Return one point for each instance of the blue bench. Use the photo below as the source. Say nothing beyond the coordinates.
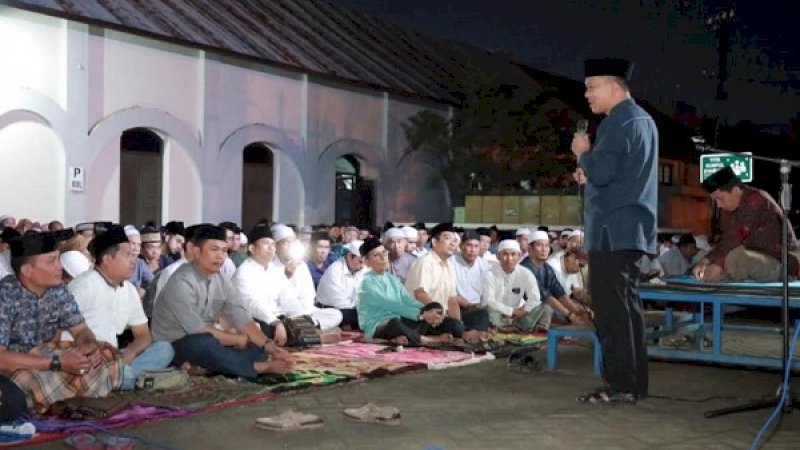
(556, 334)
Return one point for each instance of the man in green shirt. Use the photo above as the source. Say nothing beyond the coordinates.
(387, 311)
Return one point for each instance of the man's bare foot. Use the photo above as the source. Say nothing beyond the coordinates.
(331, 337)
(446, 338)
(471, 336)
(195, 371)
(400, 340)
(274, 366)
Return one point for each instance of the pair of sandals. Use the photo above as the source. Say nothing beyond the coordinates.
(603, 396)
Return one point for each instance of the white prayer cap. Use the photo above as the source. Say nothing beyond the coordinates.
(131, 230)
(508, 244)
(354, 247)
(74, 262)
(5, 216)
(281, 232)
(524, 231)
(394, 233)
(566, 233)
(411, 233)
(675, 239)
(576, 233)
(243, 238)
(540, 235)
(702, 242)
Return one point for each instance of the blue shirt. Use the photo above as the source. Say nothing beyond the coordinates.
(27, 320)
(545, 278)
(621, 192)
(316, 272)
(142, 275)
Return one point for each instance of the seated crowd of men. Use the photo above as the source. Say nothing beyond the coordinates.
(84, 311)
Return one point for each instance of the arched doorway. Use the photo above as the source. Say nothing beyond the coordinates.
(141, 169)
(257, 184)
(354, 194)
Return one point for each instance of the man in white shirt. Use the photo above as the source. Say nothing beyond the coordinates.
(486, 243)
(110, 304)
(5, 252)
(567, 268)
(469, 269)
(676, 261)
(512, 294)
(258, 283)
(523, 236)
(339, 284)
(297, 294)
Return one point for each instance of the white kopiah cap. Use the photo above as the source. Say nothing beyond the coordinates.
(540, 236)
(508, 244)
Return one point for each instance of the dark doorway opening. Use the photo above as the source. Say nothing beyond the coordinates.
(141, 171)
(257, 185)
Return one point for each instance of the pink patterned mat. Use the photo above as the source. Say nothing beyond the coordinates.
(418, 355)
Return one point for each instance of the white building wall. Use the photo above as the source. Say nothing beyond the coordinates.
(79, 87)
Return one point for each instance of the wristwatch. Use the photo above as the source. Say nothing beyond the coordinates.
(55, 364)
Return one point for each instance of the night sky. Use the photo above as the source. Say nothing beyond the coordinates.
(669, 41)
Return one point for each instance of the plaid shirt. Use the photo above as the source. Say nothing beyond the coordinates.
(755, 224)
(27, 321)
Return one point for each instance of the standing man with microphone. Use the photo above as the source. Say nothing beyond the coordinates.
(620, 173)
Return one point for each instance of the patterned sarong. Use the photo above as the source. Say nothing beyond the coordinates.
(44, 387)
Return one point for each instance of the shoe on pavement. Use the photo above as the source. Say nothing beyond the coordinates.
(371, 413)
(289, 421)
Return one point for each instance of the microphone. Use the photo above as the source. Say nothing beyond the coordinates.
(582, 126)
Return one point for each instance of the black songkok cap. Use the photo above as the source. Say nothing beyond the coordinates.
(206, 232)
(471, 235)
(441, 228)
(175, 227)
(483, 231)
(259, 232)
(370, 244)
(192, 230)
(231, 226)
(615, 67)
(8, 234)
(320, 236)
(63, 235)
(420, 226)
(115, 235)
(32, 244)
(719, 179)
(387, 225)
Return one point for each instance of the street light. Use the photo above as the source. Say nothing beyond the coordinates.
(719, 24)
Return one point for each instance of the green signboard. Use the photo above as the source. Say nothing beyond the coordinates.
(742, 165)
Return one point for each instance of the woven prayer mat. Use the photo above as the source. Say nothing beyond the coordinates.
(417, 355)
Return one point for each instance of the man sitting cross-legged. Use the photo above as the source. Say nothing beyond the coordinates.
(432, 278)
(258, 282)
(337, 288)
(511, 292)
(387, 311)
(550, 290)
(195, 300)
(296, 295)
(469, 269)
(110, 304)
(35, 307)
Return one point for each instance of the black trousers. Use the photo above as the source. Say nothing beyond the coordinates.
(475, 319)
(400, 326)
(614, 284)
